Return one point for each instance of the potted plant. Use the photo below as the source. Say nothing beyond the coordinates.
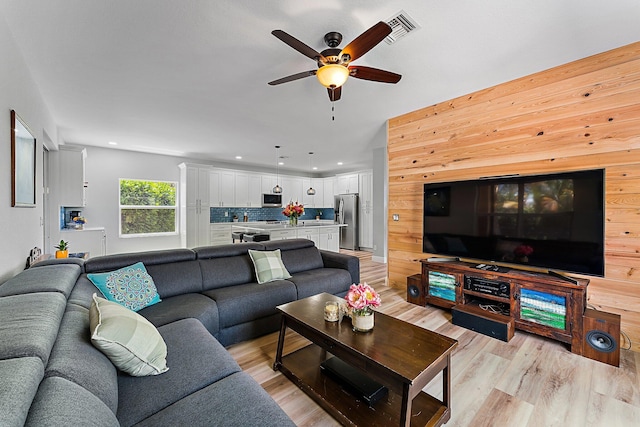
(360, 299)
(62, 249)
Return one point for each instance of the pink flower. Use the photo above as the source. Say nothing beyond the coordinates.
(362, 297)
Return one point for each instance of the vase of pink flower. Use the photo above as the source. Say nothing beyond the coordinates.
(361, 299)
(293, 211)
(522, 253)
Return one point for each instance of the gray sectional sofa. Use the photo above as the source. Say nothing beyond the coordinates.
(52, 375)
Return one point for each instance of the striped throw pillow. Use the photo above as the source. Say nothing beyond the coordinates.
(268, 265)
(129, 340)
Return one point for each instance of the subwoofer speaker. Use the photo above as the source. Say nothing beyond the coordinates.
(601, 335)
(415, 292)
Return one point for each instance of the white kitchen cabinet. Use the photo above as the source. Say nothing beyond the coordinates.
(366, 209)
(329, 239)
(317, 200)
(288, 233)
(220, 234)
(267, 182)
(241, 197)
(309, 234)
(92, 240)
(222, 187)
(347, 183)
(194, 205)
(71, 167)
(255, 190)
(329, 192)
(291, 189)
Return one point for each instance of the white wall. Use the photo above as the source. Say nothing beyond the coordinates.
(20, 228)
(104, 168)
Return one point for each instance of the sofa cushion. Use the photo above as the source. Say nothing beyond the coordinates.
(268, 266)
(185, 306)
(29, 324)
(129, 286)
(19, 381)
(196, 359)
(129, 340)
(82, 293)
(74, 358)
(245, 303)
(60, 402)
(56, 278)
(297, 254)
(174, 271)
(227, 271)
(236, 400)
(332, 280)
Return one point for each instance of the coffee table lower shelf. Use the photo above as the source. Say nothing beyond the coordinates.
(302, 367)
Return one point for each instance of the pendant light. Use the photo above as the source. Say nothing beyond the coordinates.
(311, 191)
(277, 189)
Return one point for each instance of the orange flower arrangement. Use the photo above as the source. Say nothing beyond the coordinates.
(293, 210)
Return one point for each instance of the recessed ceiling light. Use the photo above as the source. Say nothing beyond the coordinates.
(238, 157)
(315, 168)
(339, 163)
(112, 143)
(281, 163)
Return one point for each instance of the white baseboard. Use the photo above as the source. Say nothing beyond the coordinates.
(381, 259)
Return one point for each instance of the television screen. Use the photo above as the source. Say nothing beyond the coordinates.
(554, 221)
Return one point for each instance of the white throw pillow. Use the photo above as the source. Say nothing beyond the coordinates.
(129, 340)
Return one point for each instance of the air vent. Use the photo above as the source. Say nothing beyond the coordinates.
(401, 25)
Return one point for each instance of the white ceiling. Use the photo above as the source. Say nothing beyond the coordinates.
(189, 78)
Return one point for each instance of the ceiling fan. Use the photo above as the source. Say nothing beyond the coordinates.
(334, 64)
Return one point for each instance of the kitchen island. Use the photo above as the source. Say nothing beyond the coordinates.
(325, 234)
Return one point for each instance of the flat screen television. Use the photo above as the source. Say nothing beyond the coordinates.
(553, 222)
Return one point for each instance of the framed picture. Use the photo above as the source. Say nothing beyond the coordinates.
(23, 164)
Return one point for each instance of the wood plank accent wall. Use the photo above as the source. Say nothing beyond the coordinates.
(581, 115)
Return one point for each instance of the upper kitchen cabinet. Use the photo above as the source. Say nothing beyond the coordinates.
(72, 176)
(316, 200)
(222, 188)
(346, 183)
(329, 185)
(248, 190)
(291, 189)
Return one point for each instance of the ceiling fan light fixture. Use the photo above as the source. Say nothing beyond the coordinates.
(332, 75)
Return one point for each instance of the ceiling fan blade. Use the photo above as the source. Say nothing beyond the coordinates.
(367, 40)
(374, 74)
(293, 77)
(334, 93)
(298, 45)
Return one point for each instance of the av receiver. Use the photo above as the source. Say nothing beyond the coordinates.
(486, 286)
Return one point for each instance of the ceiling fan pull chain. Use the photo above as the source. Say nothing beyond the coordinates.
(333, 104)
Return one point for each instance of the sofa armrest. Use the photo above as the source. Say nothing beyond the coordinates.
(343, 261)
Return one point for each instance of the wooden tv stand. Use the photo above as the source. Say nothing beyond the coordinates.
(538, 303)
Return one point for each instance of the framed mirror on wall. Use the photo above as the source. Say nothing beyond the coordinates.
(23, 164)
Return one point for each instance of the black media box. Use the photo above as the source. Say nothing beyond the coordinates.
(354, 380)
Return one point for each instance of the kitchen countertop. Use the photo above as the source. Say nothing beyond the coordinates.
(83, 229)
(267, 227)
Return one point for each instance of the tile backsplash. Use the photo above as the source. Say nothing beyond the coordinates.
(264, 214)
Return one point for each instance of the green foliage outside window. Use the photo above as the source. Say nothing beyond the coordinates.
(147, 207)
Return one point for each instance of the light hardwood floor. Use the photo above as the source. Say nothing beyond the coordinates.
(530, 381)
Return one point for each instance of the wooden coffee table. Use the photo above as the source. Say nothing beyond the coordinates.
(397, 354)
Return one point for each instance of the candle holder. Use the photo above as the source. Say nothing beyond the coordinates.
(331, 311)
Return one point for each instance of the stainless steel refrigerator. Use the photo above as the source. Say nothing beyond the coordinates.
(346, 210)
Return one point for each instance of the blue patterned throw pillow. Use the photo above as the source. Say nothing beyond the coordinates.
(131, 287)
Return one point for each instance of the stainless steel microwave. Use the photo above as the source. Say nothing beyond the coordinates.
(272, 200)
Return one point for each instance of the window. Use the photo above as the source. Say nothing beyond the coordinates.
(148, 208)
